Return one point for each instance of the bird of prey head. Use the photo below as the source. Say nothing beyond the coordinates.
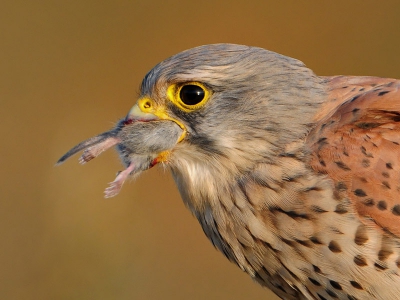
(250, 138)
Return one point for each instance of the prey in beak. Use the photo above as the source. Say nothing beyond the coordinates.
(142, 140)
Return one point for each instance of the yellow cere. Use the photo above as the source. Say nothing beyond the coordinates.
(173, 94)
(146, 105)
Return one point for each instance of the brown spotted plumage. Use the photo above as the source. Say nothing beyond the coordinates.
(293, 177)
(357, 144)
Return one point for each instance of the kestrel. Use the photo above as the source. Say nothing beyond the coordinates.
(293, 177)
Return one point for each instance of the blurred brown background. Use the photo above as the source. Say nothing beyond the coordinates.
(69, 70)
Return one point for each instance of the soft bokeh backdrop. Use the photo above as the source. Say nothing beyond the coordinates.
(69, 70)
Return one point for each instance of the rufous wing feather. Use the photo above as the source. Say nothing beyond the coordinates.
(357, 144)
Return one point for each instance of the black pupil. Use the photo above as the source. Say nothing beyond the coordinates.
(191, 94)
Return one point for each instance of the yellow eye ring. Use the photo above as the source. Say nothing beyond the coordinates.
(188, 96)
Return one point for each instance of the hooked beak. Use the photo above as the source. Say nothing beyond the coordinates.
(146, 111)
(143, 139)
(136, 114)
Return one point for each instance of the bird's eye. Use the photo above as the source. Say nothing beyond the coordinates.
(191, 94)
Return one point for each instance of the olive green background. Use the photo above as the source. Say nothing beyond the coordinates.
(70, 70)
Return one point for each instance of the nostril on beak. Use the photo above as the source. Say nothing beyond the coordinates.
(147, 105)
(140, 112)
